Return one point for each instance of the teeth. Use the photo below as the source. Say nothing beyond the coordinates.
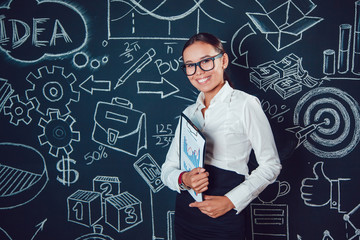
(203, 80)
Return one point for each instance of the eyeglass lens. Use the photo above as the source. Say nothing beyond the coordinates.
(205, 65)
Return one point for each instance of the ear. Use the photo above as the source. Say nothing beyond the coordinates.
(225, 61)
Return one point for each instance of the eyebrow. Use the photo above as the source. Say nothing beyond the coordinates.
(202, 58)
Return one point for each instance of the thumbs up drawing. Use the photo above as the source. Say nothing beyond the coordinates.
(316, 191)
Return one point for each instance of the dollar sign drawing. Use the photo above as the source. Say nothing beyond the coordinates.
(69, 176)
(132, 217)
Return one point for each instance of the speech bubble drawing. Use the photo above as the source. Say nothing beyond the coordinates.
(41, 30)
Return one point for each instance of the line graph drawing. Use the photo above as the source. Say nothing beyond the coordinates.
(126, 15)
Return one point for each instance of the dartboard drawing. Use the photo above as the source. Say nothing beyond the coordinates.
(334, 116)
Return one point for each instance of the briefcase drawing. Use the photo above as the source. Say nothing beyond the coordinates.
(119, 126)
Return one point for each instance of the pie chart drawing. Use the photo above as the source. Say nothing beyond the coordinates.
(23, 174)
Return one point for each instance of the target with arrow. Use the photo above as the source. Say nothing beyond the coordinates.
(327, 122)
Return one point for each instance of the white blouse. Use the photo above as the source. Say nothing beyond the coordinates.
(233, 124)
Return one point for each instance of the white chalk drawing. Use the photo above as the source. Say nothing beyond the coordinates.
(84, 207)
(285, 77)
(23, 175)
(19, 34)
(52, 90)
(327, 235)
(96, 155)
(105, 203)
(320, 190)
(164, 134)
(269, 220)
(95, 64)
(123, 12)
(344, 48)
(165, 66)
(123, 211)
(4, 235)
(130, 47)
(282, 32)
(327, 122)
(68, 174)
(91, 85)
(97, 234)
(274, 191)
(40, 227)
(343, 57)
(119, 126)
(80, 59)
(274, 110)
(330, 78)
(329, 62)
(106, 185)
(150, 171)
(58, 133)
(356, 41)
(346, 38)
(5, 92)
(164, 88)
(154, 237)
(137, 66)
(240, 57)
(19, 110)
(351, 222)
(170, 225)
(169, 47)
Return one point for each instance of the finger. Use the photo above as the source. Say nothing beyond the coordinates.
(208, 197)
(201, 183)
(200, 176)
(197, 170)
(196, 204)
(201, 190)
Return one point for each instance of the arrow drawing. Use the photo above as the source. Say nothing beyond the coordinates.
(90, 85)
(164, 87)
(40, 228)
(301, 133)
(241, 59)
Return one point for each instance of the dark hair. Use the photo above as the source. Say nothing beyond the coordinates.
(209, 39)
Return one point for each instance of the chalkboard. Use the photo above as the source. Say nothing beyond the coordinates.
(91, 93)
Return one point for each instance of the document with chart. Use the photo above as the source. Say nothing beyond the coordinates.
(192, 149)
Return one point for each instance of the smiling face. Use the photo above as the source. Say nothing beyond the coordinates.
(208, 82)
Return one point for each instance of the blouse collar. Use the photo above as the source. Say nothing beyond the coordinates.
(219, 97)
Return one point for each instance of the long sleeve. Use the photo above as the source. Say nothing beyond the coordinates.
(170, 170)
(261, 138)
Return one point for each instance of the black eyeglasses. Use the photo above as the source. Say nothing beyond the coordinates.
(206, 64)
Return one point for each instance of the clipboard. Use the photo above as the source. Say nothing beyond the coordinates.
(192, 149)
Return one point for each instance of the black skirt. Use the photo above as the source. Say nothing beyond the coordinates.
(192, 224)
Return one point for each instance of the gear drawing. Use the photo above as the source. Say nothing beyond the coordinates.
(18, 110)
(52, 90)
(58, 133)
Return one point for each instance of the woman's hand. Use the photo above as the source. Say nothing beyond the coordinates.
(214, 206)
(197, 179)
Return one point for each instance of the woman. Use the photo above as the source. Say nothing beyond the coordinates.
(233, 123)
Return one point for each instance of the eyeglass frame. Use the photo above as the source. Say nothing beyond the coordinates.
(183, 67)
